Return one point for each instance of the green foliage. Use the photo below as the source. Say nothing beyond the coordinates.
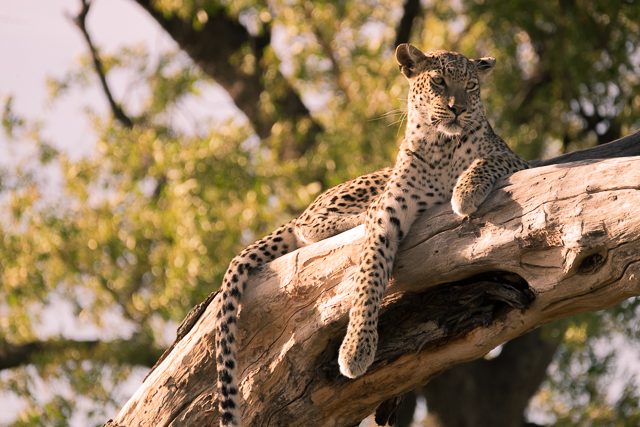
(594, 379)
(143, 229)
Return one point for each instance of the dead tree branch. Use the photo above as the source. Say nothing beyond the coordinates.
(549, 242)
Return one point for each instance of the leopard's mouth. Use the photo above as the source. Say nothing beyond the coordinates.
(451, 127)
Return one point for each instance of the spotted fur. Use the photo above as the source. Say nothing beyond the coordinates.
(449, 153)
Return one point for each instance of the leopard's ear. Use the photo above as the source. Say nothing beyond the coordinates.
(484, 65)
(408, 57)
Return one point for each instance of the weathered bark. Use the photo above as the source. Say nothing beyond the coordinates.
(565, 234)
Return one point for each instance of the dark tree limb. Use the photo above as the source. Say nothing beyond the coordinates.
(217, 47)
(492, 392)
(134, 351)
(469, 394)
(594, 119)
(411, 10)
(530, 88)
(623, 147)
(80, 21)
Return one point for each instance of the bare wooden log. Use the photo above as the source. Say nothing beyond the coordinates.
(549, 242)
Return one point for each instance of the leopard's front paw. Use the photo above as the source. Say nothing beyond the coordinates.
(357, 352)
(463, 204)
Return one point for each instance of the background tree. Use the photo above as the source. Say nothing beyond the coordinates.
(142, 230)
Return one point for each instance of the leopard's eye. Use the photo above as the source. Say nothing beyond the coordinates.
(471, 85)
(438, 80)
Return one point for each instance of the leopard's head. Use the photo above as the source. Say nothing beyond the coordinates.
(444, 87)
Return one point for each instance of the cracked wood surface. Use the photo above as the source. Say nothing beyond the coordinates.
(567, 235)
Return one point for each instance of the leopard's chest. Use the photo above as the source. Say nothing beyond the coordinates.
(444, 165)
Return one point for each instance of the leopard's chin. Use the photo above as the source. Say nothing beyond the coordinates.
(451, 128)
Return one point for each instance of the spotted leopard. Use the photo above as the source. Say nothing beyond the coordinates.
(449, 153)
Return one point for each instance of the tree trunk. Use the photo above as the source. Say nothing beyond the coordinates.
(548, 243)
(492, 392)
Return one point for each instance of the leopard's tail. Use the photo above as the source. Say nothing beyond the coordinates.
(276, 244)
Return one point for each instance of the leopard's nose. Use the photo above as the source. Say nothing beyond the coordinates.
(457, 109)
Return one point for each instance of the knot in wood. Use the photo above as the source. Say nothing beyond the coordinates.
(591, 263)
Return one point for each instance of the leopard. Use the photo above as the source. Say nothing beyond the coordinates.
(449, 154)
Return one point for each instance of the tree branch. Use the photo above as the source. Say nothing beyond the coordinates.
(594, 119)
(623, 147)
(133, 351)
(563, 234)
(412, 9)
(80, 21)
(507, 382)
(217, 48)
